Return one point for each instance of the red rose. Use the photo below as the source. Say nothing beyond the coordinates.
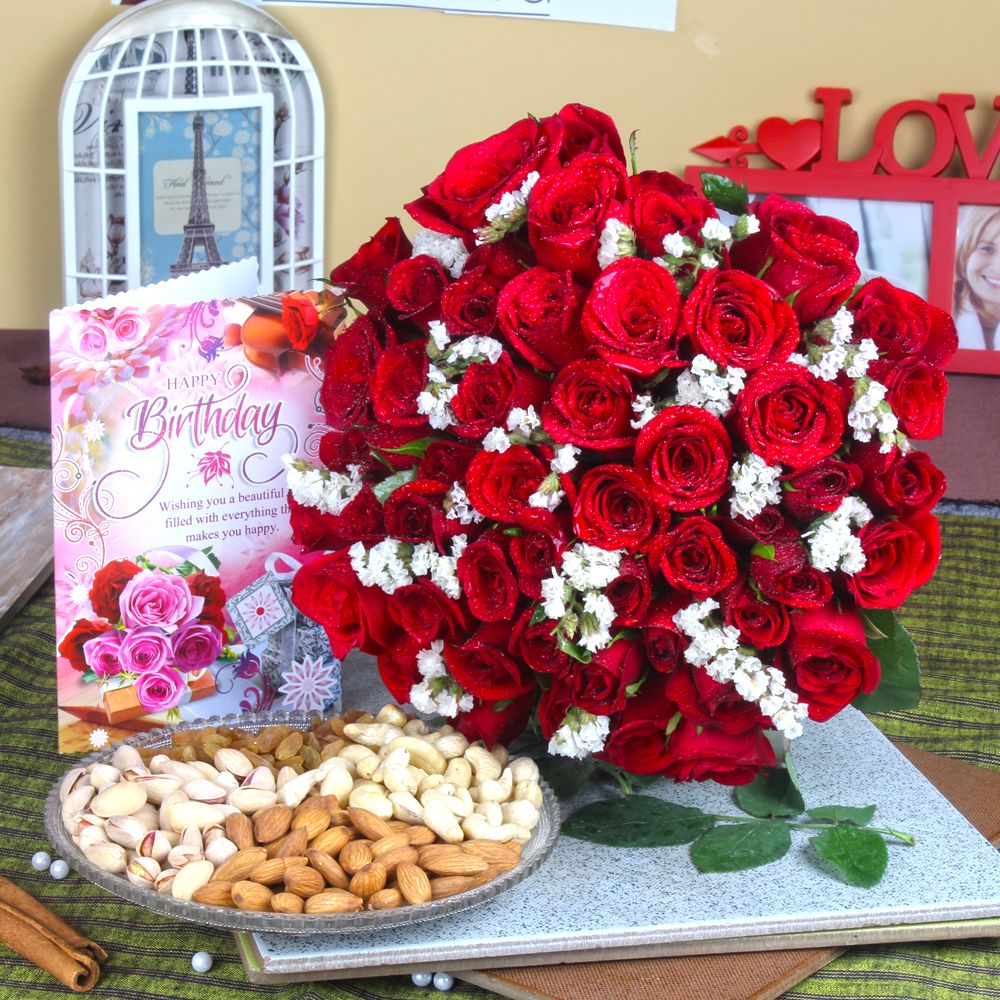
(567, 210)
(639, 746)
(916, 392)
(498, 263)
(599, 686)
(209, 588)
(613, 509)
(761, 623)
(498, 484)
(538, 647)
(769, 526)
(587, 130)
(469, 306)
(554, 703)
(488, 392)
(827, 660)
(339, 449)
(695, 557)
(662, 204)
(82, 631)
(487, 580)
(363, 276)
(484, 670)
(789, 579)
(686, 452)
(900, 556)
(590, 406)
(327, 591)
(533, 554)
(478, 175)
(819, 489)
(347, 375)
(109, 581)
(414, 288)
(787, 415)
(902, 324)
(630, 592)
(360, 521)
(299, 319)
(411, 509)
(385, 440)
(801, 254)
(424, 612)
(631, 317)
(446, 461)
(700, 753)
(739, 321)
(903, 483)
(398, 669)
(539, 313)
(399, 378)
(711, 703)
(494, 722)
(664, 641)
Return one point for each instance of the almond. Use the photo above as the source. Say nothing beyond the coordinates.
(413, 883)
(333, 901)
(385, 899)
(214, 894)
(368, 880)
(368, 824)
(304, 881)
(295, 843)
(449, 885)
(272, 823)
(269, 872)
(239, 830)
(397, 825)
(398, 839)
(396, 856)
(354, 855)
(421, 836)
(456, 864)
(435, 851)
(329, 869)
(313, 820)
(498, 855)
(251, 896)
(338, 816)
(287, 902)
(331, 841)
(240, 865)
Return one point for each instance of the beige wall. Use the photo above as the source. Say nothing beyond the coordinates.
(406, 88)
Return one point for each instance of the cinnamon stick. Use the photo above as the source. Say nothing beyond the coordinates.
(35, 932)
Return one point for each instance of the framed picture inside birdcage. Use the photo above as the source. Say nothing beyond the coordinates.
(195, 176)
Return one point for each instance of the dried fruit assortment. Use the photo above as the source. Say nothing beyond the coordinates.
(361, 812)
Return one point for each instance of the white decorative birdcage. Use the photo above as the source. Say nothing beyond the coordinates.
(191, 134)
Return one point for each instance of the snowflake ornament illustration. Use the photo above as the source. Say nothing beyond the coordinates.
(99, 738)
(93, 430)
(308, 686)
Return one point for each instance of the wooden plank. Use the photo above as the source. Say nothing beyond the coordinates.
(25, 536)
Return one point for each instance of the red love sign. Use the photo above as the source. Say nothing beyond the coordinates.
(790, 144)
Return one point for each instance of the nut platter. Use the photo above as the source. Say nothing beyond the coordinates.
(212, 857)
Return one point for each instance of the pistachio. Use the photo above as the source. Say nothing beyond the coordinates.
(108, 857)
(191, 837)
(142, 872)
(165, 880)
(73, 779)
(260, 777)
(154, 845)
(157, 786)
(202, 790)
(126, 758)
(90, 835)
(186, 772)
(187, 813)
(191, 878)
(184, 854)
(125, 830)
(226, 781)
(104, 774)
(219, 850)
(233, 761)
(120, 799)
(250, 800)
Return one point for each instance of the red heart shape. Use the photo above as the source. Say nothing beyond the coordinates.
(790, 144)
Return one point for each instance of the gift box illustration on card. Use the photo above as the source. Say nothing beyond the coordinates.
(170, 420)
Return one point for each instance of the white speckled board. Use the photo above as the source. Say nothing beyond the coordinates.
(587, 898)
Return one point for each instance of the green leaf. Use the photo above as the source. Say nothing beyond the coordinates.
(88, 676)
(860, 857)
(565, 775)
(856, 815)
(633, 150)
(771, 794)
(900, 684)
(570, 648)
(501, 705)
(390, 484)
(416, 447)
(638, 821)
(764, 551)
(742, 845)
(212, 557)
(513, 531)
(724, 193)
(538, 615)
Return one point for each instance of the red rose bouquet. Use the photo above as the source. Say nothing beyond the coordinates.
(599, 459)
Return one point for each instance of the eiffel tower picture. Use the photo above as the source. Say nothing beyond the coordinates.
(199, 250)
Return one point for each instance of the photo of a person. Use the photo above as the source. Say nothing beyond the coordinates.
(977, 277)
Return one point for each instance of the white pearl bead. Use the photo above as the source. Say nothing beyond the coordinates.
(40, 861)
(421, 978)
(443, 981)
(201, 961)
(59, 869)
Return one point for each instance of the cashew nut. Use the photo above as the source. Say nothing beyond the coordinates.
(373, 798)
(393, 715)
(373, 735)
(339, 783)
(484, 764)
(406, 806)
(520, 812)
(492, 812)
(459, 772)
(477, 827)
(530, 791)
(415, 727)
(422, 754)
(451, 745)
(442, 821)
(523, 769)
